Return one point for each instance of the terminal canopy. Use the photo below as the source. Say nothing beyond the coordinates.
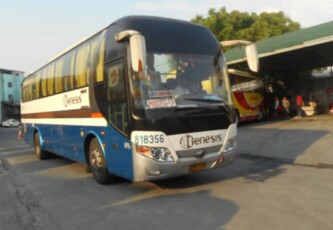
(304, 49)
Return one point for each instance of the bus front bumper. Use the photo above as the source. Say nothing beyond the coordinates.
(153, 170)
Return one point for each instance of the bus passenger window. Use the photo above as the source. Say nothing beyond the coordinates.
(97, 59)
(50, 79)
(31, 88)
(100, 63)
(58, 76)
(44, 79)
(37, 92)
(67, 71)
(82, 66)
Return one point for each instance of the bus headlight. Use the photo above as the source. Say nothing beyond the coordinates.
(230, 145)
(156, 153)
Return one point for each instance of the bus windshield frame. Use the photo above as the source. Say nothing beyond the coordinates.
(187, 81)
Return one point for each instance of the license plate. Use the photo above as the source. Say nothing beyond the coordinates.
(198, 167)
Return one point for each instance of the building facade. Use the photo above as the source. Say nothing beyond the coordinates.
(10, 93)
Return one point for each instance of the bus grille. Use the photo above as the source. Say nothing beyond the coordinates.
(194, 152)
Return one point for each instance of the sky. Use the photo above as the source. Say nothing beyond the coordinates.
(34, 31)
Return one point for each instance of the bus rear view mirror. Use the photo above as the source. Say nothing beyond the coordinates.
(138, 48)
(250, 51)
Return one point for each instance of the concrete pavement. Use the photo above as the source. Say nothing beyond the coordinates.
(10, 205)
(304, 141)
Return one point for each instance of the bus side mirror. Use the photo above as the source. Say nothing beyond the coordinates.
(138, 52)
(252, 57)
(138, 49)
(250, 51)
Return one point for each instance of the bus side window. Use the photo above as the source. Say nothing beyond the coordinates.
(93, 57)
(67, 71)
(26, 89)
(32, 88)
(100, 63)
(24, 94)
(82, 66)
(97, 59)
(38, 83)
(58, 76)
(50, 79)
(44, 81)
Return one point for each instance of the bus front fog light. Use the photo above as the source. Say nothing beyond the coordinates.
(230, 145)
(156, 153)
(154, 172)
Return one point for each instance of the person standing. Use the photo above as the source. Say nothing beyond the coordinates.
(299, 104)
(286, 107)
(277, 108)
(19, 135)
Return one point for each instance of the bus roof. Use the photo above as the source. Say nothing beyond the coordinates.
(125, 22)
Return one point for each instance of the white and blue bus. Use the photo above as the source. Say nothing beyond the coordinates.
(146, 98)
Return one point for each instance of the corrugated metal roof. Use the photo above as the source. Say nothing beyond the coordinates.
(307, 37)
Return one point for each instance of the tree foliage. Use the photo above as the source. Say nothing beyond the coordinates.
(242, 25)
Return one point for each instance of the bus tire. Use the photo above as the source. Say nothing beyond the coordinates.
(97, 163)
(41, 154)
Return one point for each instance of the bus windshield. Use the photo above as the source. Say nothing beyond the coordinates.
(246, 84)
(181, 80)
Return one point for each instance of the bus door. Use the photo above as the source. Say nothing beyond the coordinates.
(119, 154)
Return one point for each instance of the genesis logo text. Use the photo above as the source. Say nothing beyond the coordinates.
(188, 141)
(72, 100)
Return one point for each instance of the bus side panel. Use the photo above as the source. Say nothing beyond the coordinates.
(42, 130)
(60, 140)
(248, 105)
(70, 145)
(118, 154)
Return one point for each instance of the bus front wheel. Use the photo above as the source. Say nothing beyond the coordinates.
(97, 162)
(41, 154)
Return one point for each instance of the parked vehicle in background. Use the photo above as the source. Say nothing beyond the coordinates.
(248, 97)
(10, 123)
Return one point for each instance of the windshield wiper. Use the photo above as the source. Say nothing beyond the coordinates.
(210, 100)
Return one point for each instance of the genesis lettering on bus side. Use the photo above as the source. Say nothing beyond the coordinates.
(72, 100)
